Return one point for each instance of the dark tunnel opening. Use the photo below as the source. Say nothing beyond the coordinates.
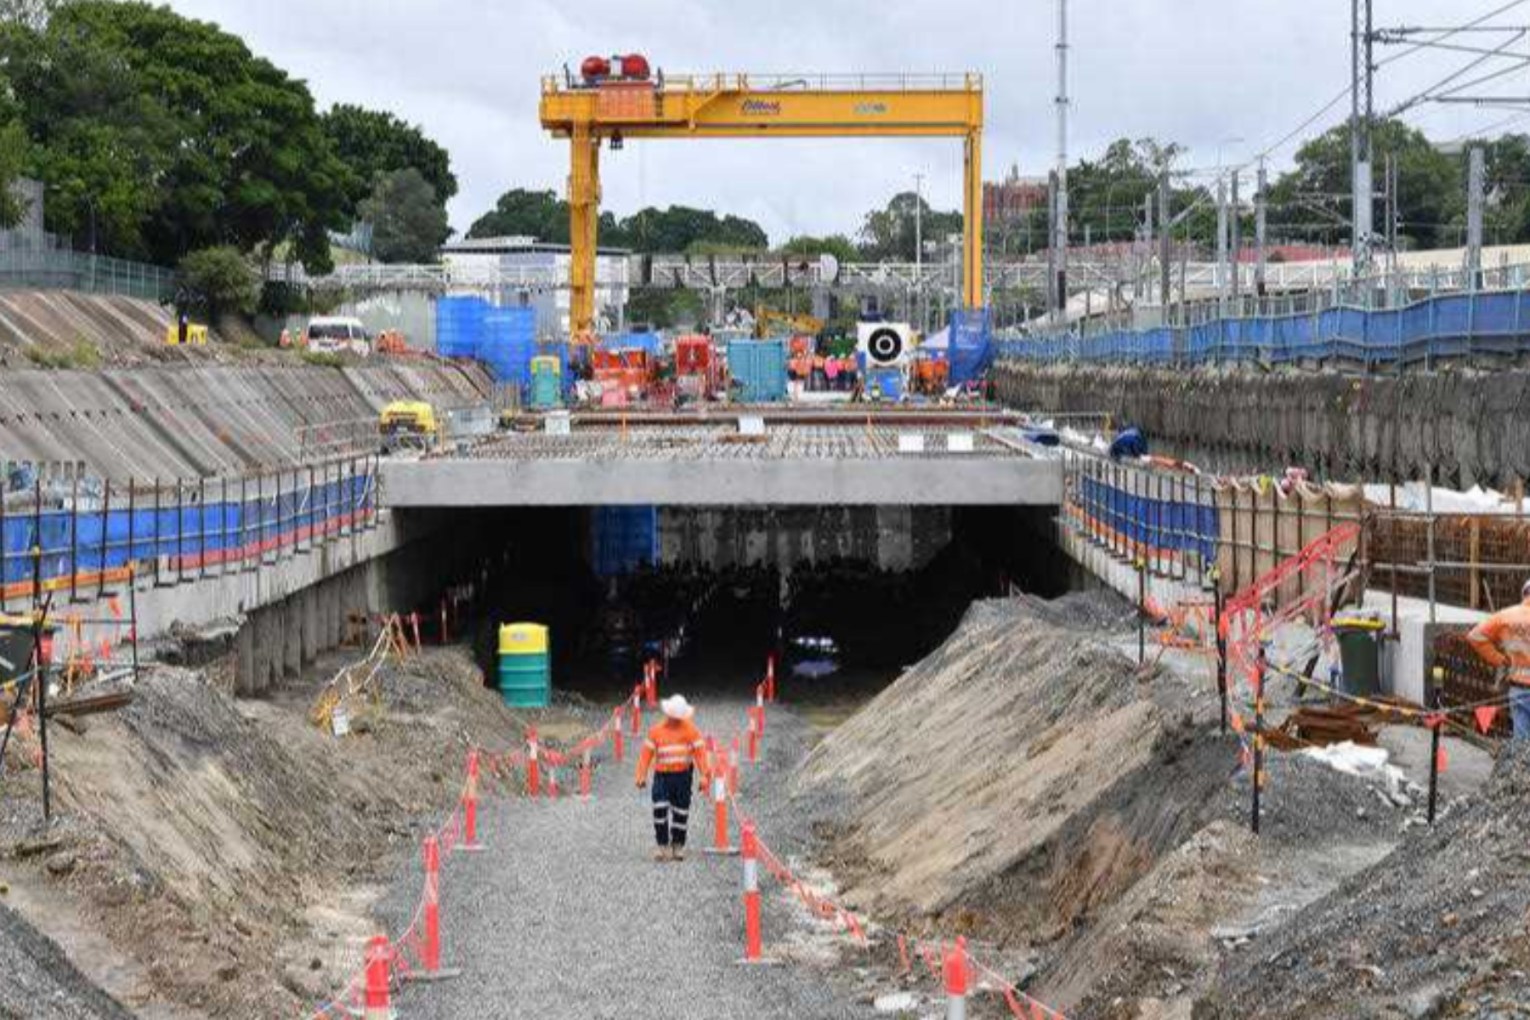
(843, 612)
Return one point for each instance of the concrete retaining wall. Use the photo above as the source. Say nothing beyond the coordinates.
(1469, 427)
(892, 538)
(277, 617)
(185, 421)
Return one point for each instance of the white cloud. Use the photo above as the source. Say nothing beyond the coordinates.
(1193, 71)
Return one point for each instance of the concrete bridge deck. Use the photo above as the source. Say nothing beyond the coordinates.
(901, 461)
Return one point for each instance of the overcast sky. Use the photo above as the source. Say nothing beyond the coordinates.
(1194, 71)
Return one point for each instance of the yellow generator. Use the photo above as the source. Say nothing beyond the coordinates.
(408, 423)
(196, 334)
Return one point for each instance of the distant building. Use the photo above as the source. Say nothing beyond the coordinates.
(1015, 212)
(612, 276)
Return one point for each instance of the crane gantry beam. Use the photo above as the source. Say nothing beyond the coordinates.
(752, 106)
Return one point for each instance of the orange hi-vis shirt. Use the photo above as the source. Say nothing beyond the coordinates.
(672, 746)
(1503, 639)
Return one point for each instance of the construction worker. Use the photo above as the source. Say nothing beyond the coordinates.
(676, 752)
(1503, 640)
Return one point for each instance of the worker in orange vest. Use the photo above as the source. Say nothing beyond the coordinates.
(1503, 640)
(676, 752)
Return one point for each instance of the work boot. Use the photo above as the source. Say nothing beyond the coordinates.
(678, 853)
(661, 854)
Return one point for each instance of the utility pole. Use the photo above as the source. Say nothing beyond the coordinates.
(1236, 245)
(1141, 285)
(1261, 202)
(1165, 249)
(1060, 186)
(1362, 113)
(919, 246)
(1475, 178)
(1221, 241)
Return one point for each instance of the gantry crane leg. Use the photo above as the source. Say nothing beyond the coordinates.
(584, 227)
(972, 218)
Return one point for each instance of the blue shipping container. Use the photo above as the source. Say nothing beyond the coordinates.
(758, 368)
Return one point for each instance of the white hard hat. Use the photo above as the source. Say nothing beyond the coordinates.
(676, 707)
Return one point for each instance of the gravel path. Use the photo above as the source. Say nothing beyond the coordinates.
(567, 915)
(41, 983)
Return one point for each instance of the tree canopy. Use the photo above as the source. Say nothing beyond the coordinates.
(170, 135)
(373, 143)
(544, 216)
(408, 223)
(1312, 200)
(889, 233)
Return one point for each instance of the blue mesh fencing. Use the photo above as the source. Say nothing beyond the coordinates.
(193, 534)
(1182, 525)
(1452, 325)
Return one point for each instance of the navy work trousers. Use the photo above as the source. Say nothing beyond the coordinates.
(671, 806)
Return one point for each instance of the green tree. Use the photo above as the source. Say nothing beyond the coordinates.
(172, 134)
(889, 234)
(13, 154)
(663, 307)
(408, 224)
(1106, 195)
(522, 213)
(808, 247)
(676, 230)
(373, 143)
(1312, 201)
(216, 281)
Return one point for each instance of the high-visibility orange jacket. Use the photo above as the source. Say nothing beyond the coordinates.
(1503, 639)
(673, 746)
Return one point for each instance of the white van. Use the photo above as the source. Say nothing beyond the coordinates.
(336, 334)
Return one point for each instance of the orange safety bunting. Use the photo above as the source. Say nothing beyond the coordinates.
(1485, 715)
(115, 605)
(1441, 760)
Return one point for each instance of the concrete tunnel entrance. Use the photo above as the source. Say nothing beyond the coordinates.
(846, 596)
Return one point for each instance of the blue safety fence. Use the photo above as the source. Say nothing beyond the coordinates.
(1127, 508)
(1452, 325)
(186, 527)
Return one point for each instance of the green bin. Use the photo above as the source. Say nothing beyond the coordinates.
(525, 666)
(1359, 640)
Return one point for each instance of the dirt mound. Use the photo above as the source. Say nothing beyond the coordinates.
(1017, 779)
(1436, 929)
(236, 827)
(1154, 942)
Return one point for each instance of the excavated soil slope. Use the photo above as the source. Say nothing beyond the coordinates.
(1017, 779)
(222, 848)
(1439, 928)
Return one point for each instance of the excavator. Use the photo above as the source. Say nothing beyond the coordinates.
(796, 325)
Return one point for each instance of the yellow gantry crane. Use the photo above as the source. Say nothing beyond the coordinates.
(612, 101)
